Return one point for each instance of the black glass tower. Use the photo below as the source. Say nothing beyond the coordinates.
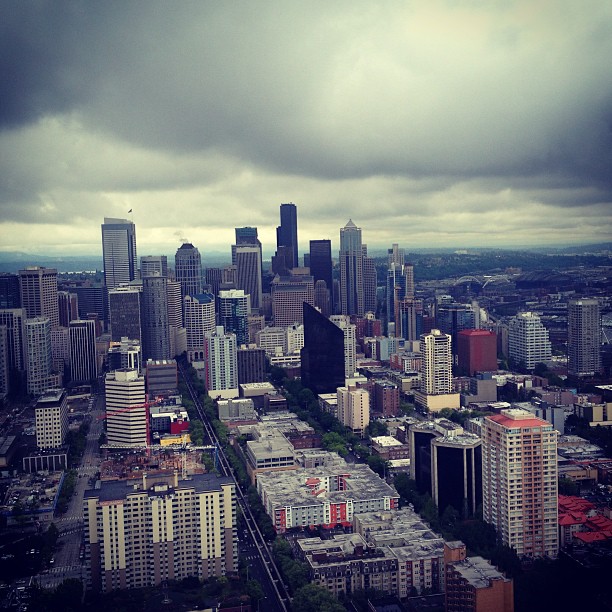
(286, 233)
(323, 353)
(321, 265)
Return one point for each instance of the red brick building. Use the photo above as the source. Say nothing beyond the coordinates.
(476, 351)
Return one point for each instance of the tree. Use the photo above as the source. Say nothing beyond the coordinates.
(313, 598)
(377, 464)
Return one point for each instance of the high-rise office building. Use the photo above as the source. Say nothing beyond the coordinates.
(127, 416)
(154, 265)
(5, 381)
(248, 272)
(583, 337)
(214, 278)
(159, 529)
(370, 301)
(528, 341)
(286, 234)
(251, 363)
(9, 291)
(349, 331)
(409, 319)
(476, 351)
(155, 323)
(199, 319)
(351, 271)
(451, 318)
(38, 293)
(321, 266)
(83, 358)
(400, 287)
(38, 354)
(519, 472)
(126, 354)
(51, 419)
(125, 312)
(68, 305)
(14, 319)
(221, 364)
(92, 299)
(395, 255)
(119, 252)
(247, 235)
(288, 296)
(234, 311)
(188, 269)
(322, 357)
(322, 298)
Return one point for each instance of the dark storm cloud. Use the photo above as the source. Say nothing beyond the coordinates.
(402, 115)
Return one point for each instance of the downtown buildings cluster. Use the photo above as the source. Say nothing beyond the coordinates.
(360, 345)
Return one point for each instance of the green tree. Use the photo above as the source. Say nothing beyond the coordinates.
(568, 487)
(313, 598)
(377, 464)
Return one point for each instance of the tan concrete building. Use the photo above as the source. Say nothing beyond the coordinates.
(51, 418)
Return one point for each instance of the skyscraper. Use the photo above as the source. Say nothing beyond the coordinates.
(68, 306)
(199, 319)
(286, 234)
(234, 311)
(248, 272)
(188, 269)
(583, 337)
(370, 301)
(349, 331)
(9, 291)
(400, 285)
(436, 388)
(83, 360)
(153, 265)
(119, 252)
(125, 313)
(351, 271)
(38, 292)
(14, 319)
(221, 364)
(38, 354)
(322, 357)
(127, 418)
(155, 324)
(476, 351)
(528, 342)
(288, 295)
(321, 266)
(437, 374)
(519, 472)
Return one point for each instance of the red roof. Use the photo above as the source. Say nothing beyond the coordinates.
(572, 518)
(517, 423)
(588, 537)
(571, 503)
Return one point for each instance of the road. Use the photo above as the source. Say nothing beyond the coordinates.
(68, 563)
(253, 545)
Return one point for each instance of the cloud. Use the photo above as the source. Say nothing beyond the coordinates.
(419, 119)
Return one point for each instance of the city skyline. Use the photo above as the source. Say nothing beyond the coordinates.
(447, 124)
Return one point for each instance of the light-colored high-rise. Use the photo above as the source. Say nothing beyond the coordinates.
(351, 271)
(221, 364)
(519, 488)
(350, 343)
(38, 354)
(38, 291)
(51, 418)
(199, 319)
(528, 341)
(583, 337)
(437, 359)
(354, 408)
(119, 252)
(127, 418)
(288, 296)
(159, 529)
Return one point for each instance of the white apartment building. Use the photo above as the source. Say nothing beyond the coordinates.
(127, 418)
(528, 340)
(51, 419)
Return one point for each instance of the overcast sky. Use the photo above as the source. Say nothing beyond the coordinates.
(456, 123)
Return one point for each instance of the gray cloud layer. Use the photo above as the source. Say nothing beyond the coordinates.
(470, 123)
